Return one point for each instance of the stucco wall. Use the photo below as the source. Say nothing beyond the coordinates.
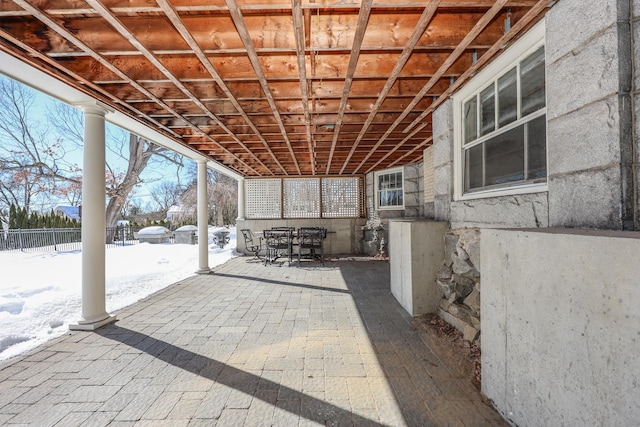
(560, 334)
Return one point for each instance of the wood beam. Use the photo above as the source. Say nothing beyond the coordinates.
(483, 22)
(497, 46)
(241, 27)
(173, 16)
(363, 19)
(423, 23)
(301, 42)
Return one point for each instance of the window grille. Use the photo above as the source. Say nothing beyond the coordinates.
(341, 197)
(263, 198)
(390, 189)
(500, 124)
(301, 198)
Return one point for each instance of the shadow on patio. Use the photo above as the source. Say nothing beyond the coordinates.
(249, 345)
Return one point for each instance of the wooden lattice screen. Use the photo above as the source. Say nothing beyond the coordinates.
(301, 198)
(341, 197)
(263, 198)
(330, 197)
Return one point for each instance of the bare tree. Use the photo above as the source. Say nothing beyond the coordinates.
(167, 194)
(127, 148)
(33, 165)
(222, 193)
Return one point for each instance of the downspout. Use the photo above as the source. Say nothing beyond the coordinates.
(626, 114)
(634, 150)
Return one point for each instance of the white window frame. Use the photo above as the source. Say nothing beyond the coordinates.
(376, 189)
(523, 47)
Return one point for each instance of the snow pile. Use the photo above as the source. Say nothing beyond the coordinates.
(40, 293)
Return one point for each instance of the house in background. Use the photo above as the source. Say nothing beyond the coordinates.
(179, 213)
(71, 212)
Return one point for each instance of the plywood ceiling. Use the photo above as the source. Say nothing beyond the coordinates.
(271, 88)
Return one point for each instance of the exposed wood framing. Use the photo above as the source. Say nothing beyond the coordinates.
(272, 88)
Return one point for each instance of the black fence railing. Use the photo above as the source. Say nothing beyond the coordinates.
(59, 239)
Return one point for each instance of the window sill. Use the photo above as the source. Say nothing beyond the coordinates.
(499, 192)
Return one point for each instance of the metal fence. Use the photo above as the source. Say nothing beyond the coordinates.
(59, 239)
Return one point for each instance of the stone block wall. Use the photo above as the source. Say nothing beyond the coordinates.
(443, 161)
(589, 114)
(459, 282)
(591, 142)
(376, 237)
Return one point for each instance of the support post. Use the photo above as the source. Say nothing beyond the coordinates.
(94, 314)
(241, 199)
(203, 223)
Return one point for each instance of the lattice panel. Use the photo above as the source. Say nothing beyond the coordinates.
(341, 197)
(263, 198)
(301, 198)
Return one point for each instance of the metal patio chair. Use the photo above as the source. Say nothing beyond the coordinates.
(311, 239)
(278, 243)
(250, 243)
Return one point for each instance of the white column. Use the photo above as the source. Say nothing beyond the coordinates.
(240, 199)
(203, 219)
(94, 312)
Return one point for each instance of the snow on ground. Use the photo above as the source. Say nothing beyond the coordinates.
(40, 293)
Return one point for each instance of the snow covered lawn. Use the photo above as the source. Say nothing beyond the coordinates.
(40, 293)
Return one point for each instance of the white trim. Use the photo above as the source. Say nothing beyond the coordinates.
(524, 46)
(375, 188)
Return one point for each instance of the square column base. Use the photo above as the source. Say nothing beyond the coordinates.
(92, 326)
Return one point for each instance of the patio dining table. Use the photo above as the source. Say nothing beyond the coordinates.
(280, 243)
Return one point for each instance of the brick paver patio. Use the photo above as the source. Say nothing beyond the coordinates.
(248, 345)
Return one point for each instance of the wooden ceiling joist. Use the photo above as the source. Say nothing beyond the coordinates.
(271, 88)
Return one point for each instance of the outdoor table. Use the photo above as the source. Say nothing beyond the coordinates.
(279, 242)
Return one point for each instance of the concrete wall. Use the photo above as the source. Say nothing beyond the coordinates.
(345, 235)
(560, 334)
(416, 252)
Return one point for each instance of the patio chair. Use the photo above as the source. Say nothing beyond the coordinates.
(311, 239)
(279, 243)
(250, 243)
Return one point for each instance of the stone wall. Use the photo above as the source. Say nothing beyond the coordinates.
(376, 237)
(591, 143)
(589, 114)
(459, 281)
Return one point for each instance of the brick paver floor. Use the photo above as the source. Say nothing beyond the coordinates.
(248, 345)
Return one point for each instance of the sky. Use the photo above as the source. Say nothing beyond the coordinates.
(40, 292)
(152, 175)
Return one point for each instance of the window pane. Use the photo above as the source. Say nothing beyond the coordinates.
(532, 82)
(507, 98)
(487, 110)
(504, 161)
(537, 145)
(471, 120)
(390, 189)
(473, 166)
